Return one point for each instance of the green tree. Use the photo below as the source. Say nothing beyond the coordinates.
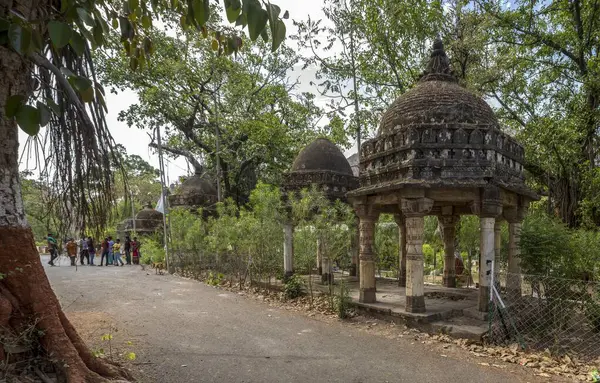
(47, 78)
(246, 105)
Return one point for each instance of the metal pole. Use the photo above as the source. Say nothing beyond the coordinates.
(162, 196)
(132, 211)
(217, 144)
(353, 63)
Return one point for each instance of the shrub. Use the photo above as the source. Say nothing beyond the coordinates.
(342, 301)
(293, 287)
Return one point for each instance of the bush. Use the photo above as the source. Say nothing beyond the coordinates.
(342, 301)
(152, 251)
(293, 287)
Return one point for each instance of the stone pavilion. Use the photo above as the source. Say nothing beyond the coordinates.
(439, 151)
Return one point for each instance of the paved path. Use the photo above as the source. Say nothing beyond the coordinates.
(190, 332)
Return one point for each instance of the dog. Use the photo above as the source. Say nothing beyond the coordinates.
(159, 267)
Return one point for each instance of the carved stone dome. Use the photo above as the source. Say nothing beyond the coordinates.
(195, 192)
(439, 134)
(437, 101)
(321, 163)
(147, 220)
(321, 154)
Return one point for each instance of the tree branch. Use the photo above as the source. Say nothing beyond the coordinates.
(181, 152)
(43, 62)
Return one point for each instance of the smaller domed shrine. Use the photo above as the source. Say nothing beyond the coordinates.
(323, 164)
(147, 222)
(195, 192)
(439, 151)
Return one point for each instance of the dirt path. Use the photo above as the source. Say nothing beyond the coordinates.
(185, 331)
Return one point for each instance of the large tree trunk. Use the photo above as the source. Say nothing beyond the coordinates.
(26, 296)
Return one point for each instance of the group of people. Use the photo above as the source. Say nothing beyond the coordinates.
(109, 251)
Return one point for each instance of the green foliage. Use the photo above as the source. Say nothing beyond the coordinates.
(387, 244)
(550, 248)
(152, 251)
(214, 279)
(293, 287)
(342, 301)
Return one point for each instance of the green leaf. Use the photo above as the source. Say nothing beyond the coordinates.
(78, 44)
(87, 95)
(4, 24)
(80, 83)
(233, 8)
(60, 33)
(278, 33)
(214, 45)
(265, 35)
(19, 37)
(44, 113)
(146, 22)
(36, 41)
(53, 106)
(126, 28)
(148, 48)
(13, 104)
(28, 118)
(257, 20)
(133, 5)
(85, 16)
(115, 23)
(201, 11)
(286, 15)
(241, 21)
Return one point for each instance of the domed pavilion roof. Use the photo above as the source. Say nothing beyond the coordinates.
(147, 220)
(321, 163)
(439, 134)
(195, 192)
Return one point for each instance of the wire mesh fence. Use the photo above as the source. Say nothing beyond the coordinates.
(539, 312)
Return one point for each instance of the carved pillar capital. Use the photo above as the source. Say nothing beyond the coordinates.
(415, 207)
(366, 212)
(491, 202)
(514, 214)
(448, 220)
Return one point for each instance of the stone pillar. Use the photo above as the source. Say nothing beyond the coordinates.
(319, 257)
(354, 251)
(485, 266)
(414, 210)
(491, 207)
(326, 270)
(514, 217)
(367, 218)
(497, 245)
(448, 223)
(288, 250)
(401, 222)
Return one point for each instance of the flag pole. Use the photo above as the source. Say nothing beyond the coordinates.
(162, 196)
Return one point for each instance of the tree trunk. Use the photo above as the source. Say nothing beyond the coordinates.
(26, 296)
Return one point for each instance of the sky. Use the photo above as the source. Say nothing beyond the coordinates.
(136, 141)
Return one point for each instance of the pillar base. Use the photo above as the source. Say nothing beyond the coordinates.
(402, 281)
(367, 296)
(287, 276)
(415, 304)
(352, 271)
(327, 278)
(449, 281)
(484, 298)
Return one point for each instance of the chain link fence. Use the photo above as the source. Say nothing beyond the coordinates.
(538, 312)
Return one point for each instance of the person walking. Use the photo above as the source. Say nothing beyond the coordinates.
(52, 249)
(72, 251)
(104, 252)
(111, 256)
(91, 250)
(135, 247)
(127, 248)
(117, 253)
(84, 253)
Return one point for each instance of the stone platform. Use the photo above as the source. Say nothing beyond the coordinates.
(449, 310)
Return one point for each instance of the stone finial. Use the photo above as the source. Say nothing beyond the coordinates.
(438, 67)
